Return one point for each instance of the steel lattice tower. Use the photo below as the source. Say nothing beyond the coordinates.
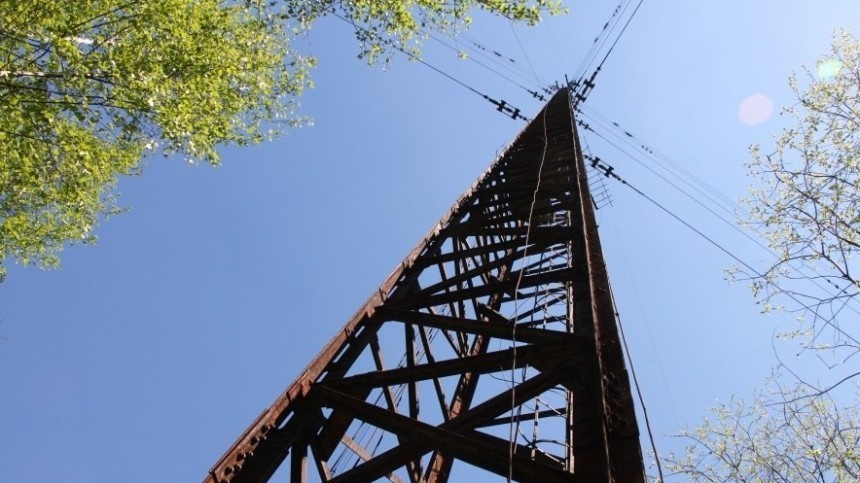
(494, 343)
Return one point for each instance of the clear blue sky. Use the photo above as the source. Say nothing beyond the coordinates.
(144, 357)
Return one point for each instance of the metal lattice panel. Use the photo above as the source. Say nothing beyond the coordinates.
(493, 343)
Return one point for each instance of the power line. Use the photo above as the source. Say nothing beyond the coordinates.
(617, 38)
(636, 383)
(523, 50)
(581, 86)
(676, 187)
(601, 38)
(609, 172)
(699, 202)
(675, 169)
(501, 105)
(533, 92)
(496, 56)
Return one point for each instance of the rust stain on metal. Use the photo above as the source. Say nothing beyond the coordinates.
(502, 314)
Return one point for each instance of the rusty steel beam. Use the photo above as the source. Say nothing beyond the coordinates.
(495, 330)
(391, 459)
(480, 450)
(622, 434)
(560, 275)
(533, 355)
(503, 312)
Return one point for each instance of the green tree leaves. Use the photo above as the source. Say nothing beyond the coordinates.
(799, 436)
(89, 87)
(806, 204)
(401, 24)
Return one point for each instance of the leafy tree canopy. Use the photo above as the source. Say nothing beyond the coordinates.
(90, 87)
(788, 434)
(806, 201)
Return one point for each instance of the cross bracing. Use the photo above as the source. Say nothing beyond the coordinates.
(492, 345)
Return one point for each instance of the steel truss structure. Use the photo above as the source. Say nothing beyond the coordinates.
(502, 333)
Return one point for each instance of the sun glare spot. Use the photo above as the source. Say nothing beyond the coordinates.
(755, 109)
(828, 69)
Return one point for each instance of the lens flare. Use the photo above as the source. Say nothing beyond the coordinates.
(828, 69)
(755, 109)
